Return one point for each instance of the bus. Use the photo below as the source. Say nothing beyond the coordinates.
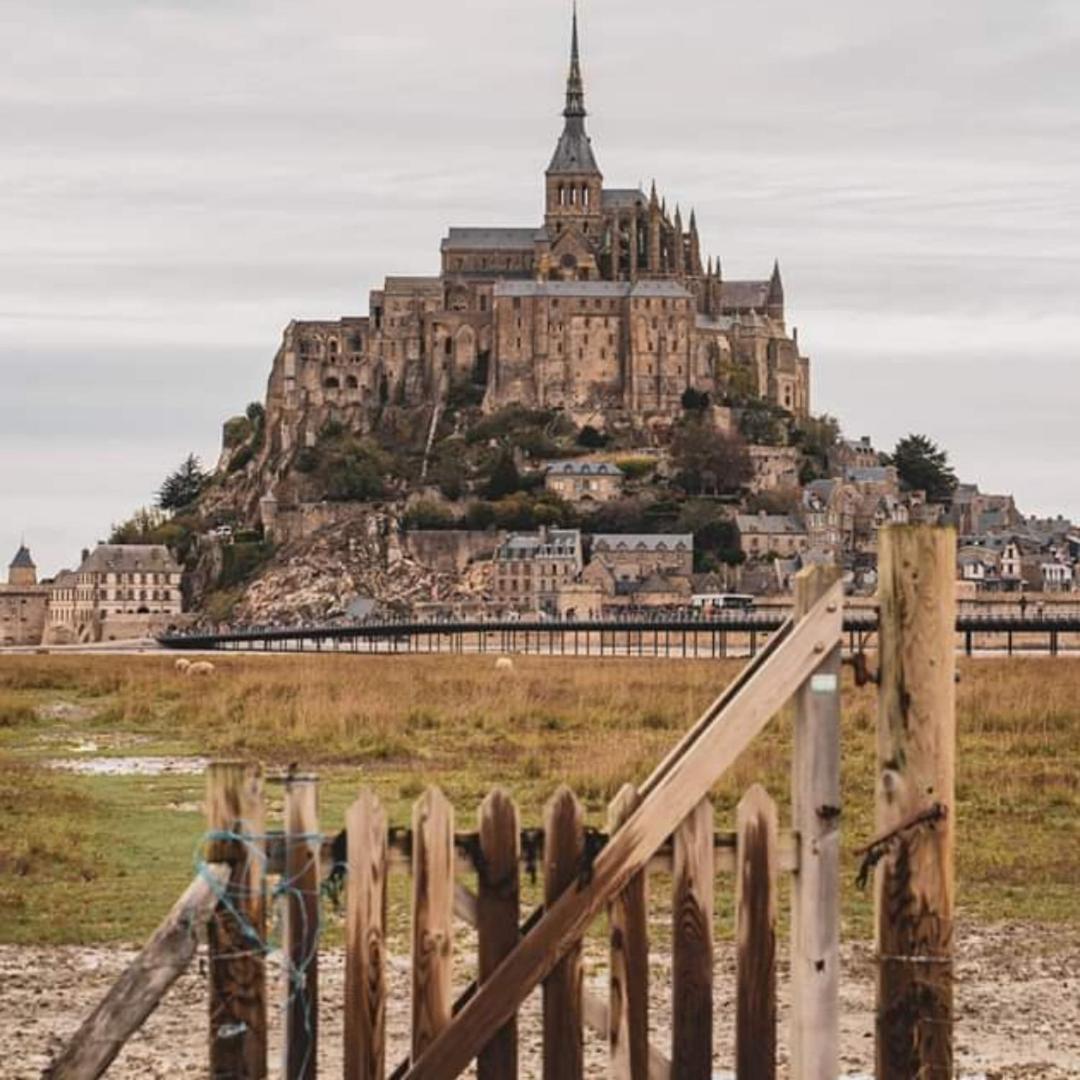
(707, 603)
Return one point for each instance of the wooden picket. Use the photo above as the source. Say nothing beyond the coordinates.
(664, 825)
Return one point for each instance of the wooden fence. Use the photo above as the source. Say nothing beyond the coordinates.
(666, 823)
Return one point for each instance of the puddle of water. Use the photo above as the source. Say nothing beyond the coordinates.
(131, 766)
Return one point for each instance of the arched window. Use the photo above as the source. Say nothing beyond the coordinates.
(350, 382)
(562, 195)
(584, 195)
(331, 383)
(333, 348)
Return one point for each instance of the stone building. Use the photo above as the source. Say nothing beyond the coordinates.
(22, 602)
(530, 568)
(584, 481)
(119, 591)
(765, 534)
(605, 308)
(637, 556)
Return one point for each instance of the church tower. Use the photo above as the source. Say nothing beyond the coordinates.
(22, 570)
(574, 181)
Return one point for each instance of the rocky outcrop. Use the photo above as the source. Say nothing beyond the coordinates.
(314, 579)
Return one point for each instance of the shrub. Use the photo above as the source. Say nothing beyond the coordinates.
(241, 458)
(307, 459)
(429, 514)
(236, 430)
(590, 438)
(635, 468)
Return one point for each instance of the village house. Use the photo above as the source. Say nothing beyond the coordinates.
(529, 568)
(23, 602)
(637, 556)
(763, 534)
(119, 591)
(775, 467)
(852, 453)
(584, 481)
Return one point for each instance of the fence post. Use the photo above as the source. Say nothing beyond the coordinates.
(301, 945)
(628, 1009)
(564, 845)
(755, 936)
(815, 811)
(237, 931)
(916, 736)
(365, 939)
(692, 946)
(497, 907)
(432, 917)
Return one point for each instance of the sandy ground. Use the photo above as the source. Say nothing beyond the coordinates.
(1017, 1001)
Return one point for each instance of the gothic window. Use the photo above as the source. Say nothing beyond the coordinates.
(350, 382)
(331, 383)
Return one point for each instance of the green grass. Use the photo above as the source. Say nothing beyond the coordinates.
(97, 859)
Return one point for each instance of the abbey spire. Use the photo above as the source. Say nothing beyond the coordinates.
(573, 154)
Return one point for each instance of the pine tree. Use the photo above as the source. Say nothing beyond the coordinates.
(182, 487)
(923, 466)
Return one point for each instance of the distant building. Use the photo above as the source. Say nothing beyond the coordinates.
(852, 453)
(770, 534)
(529, 568)
(637, 556)
(584, 481)
(774, 467)
(119, 591)
(23, 602)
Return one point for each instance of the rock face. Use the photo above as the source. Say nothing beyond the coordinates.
(314, 579)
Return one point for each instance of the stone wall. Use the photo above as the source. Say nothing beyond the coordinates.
(22, 614)
(450, 551)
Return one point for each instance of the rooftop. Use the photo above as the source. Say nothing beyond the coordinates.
(612, 289)
(771, 524)
(643, 542)
(22, 560)
(583, 468)
(125, 558)
(489, 239)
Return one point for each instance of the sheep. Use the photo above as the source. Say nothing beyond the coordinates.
(182, 665)
(201, 667)
(504, 663)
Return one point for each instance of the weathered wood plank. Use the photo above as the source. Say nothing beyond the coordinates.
(365, 940)
(566, 920)
(564, 846)
(498, 906)
(145, 981)
(628, 918)
(235, 813)
(815, 897)
(301, 946)
(755, 937)
(432, 917)
(916, 740)
(692, 946)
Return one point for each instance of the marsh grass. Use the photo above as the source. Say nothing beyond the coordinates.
(97, 858)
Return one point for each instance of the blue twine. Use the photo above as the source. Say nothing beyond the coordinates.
(227, 896)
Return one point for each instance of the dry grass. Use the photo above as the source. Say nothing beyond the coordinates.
(399, 723)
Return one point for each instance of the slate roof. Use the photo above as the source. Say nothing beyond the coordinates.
(573, 152)
(643, 541)
(489, 239)
(126, 558)
(622, 198)
(744, 294)
(613, 289)
(404, 283)
(869, 474)
(22, 560)
(583, 468)
(770, 524)
(560, 543)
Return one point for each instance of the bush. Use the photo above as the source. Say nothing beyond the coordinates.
(635, 468)
(695, 400)
(709, 462)
(235, 431)
(240, 562)
(429, 514)
(480, 516)
(590, 438)
(307, 459)
(241, 458)
(504, 479)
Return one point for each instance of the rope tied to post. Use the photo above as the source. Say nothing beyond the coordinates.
(879, 847)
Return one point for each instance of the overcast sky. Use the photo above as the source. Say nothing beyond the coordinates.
(178, 180)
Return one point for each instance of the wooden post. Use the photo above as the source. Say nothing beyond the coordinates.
(913, 893)
(564, 845)
(135, 995)
(365, 940)
(692, 946)
(497, 907)
(301, 882)
(432, 917)
(628, 1011)
(815, 896)
(755, 936)
(237, 932)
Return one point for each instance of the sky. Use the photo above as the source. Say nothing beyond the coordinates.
(179, 180)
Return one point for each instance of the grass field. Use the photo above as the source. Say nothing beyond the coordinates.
(99, 858)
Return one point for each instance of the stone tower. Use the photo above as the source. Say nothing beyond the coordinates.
(22, 570)
(573, 179)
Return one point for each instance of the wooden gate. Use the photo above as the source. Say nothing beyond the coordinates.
(665, 823)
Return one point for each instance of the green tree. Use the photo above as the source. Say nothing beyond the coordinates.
(815, 436)
(183, 487)
(694, 400)
(708, 461)
(504, 479)
(590, 438)
(923, 466)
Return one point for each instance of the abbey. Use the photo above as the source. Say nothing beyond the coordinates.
(605, 310)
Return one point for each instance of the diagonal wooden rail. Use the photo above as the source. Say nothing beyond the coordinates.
(596, 1012)
(713, 746)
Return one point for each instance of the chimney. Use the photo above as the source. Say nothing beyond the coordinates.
(85, 554)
